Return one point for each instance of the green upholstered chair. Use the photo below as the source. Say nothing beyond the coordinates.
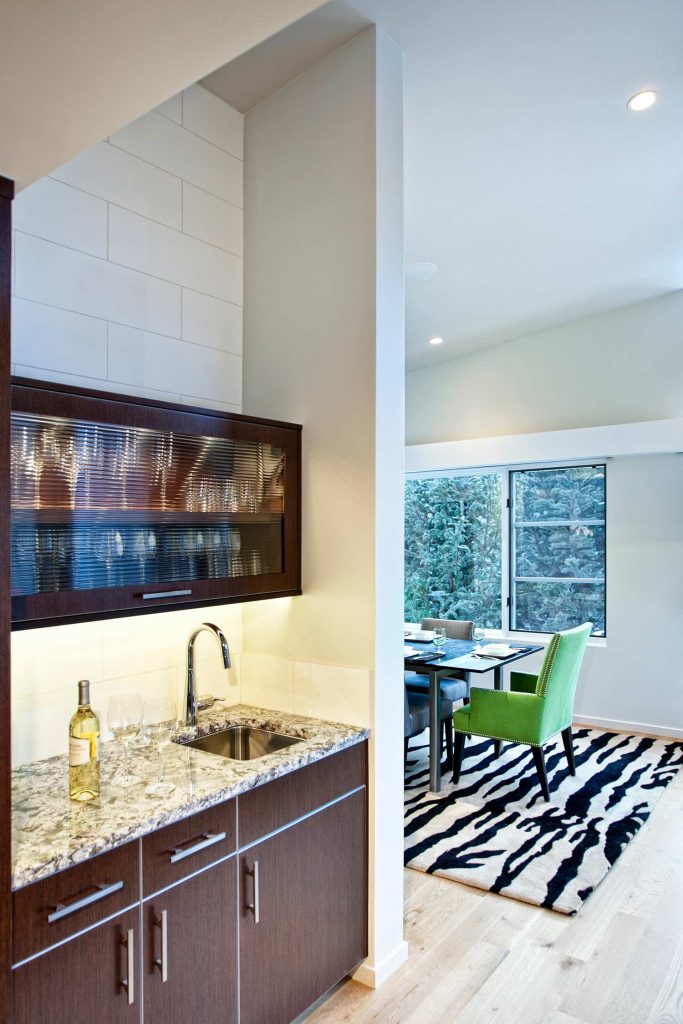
(534, 709)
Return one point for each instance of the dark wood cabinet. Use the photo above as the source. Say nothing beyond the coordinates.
(122, 505)
(190, 950)
(303, 912)
(247, 911)
(93, 977)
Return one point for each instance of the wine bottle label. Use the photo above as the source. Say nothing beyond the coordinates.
(79, 751)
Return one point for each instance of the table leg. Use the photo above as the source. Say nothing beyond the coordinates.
(498, 685)
(434, 733)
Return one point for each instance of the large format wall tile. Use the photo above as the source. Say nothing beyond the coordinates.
(138, 357)
(126, 180)
(56, 339)
(75, 281)
(165, 144)
(154, 249)
(208, 116)
(212, 219)
(212, 322)
(59, 213)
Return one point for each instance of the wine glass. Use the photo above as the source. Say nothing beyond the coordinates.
(160, 722)
(478, 634)
(439, 637)
(124, 715)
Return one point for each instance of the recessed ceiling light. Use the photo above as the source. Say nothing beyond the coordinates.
(642, 100)
(421, 271)
(436, 341)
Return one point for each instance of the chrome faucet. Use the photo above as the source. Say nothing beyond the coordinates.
(191, 702)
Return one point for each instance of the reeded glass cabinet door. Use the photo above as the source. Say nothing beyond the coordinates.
(119, 504)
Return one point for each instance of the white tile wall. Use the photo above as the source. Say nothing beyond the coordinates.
(56, 339)
(152, 248)
(212, 219)
(171, 147)
(174, 365)
(209, 321)
(63, 214)
(102, 245)
(102, 267)
(56, 276)
(144, 655)
(125, 180)
(208, 116)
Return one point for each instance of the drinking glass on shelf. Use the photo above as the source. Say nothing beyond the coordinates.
(160, 721)
(124, 715)
(439, 638)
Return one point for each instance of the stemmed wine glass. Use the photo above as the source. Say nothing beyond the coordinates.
(478, 635)
(124, 715)
(160, 722)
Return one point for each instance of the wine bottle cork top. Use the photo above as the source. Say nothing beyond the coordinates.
(83, 691)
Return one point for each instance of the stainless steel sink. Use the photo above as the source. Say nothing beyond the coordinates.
(242, 743)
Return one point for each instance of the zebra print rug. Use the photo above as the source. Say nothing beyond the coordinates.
(495, 831)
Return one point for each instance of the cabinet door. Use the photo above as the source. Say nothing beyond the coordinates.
(190, 950)
(303, 915)
(83, 980)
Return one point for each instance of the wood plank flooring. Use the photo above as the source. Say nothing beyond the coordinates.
(478, 958)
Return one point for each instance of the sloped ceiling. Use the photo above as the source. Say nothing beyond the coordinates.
(74, 71)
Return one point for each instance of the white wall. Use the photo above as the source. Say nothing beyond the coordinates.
(127, 277)
(128, 261)
(324, 345)
(620, 367)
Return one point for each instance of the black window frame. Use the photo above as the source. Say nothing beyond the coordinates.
(511, 528)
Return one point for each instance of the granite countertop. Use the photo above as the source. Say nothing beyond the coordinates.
(51, 833)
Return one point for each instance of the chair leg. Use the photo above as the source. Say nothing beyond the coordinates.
(497, 744)
(539, 761)
(569, 748)
(405, 753)
(458, 751)
(448, 726)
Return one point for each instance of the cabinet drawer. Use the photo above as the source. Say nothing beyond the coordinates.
(274, 804)
(181, 848)
(65, 903)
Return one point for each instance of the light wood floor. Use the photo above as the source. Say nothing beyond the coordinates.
(478, 958)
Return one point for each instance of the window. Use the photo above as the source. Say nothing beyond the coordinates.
(557, 548)
(453, 554)
(539, 568)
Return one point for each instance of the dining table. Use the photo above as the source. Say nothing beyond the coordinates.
(464, 657)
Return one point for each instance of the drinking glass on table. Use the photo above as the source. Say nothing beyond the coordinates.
(478, 634)
(439, 637)
(160, 722)
(124, 715)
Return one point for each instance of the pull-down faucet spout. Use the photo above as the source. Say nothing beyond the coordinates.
(190, 686)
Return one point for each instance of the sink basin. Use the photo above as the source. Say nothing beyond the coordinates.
(242, 743)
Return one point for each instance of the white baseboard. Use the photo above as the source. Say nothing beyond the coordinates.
(641, 728)
(375, 975)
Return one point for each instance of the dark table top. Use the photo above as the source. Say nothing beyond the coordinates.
(458, 654)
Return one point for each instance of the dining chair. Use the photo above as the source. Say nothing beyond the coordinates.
(416, 720)
(456, 685)
(535, 708)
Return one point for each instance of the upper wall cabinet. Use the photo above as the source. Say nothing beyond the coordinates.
(122, 505)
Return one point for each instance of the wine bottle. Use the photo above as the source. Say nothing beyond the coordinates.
(84, 754)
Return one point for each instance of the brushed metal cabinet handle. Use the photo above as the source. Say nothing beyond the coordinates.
(102, 890)
(164, 593)
(255, 907)
(208, 839)
(128, 983)
(161, 922)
